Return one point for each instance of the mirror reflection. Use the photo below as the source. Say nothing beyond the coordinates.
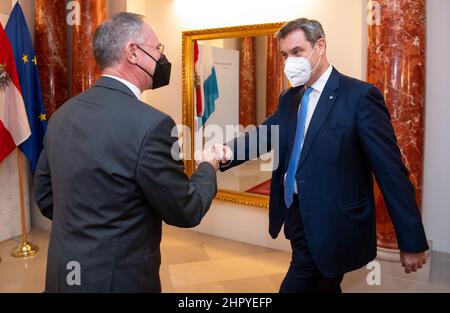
(235, 84)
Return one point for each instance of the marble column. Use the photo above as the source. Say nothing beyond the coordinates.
(247, 83)
(51, 52)
(84, 68)
(396, 65)
(275, 66)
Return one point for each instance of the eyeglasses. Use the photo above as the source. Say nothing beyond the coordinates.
(160, 47)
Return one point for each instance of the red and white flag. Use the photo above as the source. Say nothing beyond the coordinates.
(14, 127)
(206, 84)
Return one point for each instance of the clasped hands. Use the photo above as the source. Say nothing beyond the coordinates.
(215, 155)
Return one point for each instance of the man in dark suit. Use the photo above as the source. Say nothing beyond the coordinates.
(110, 174)
(334, 134)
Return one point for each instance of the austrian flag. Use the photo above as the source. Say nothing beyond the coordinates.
(14, 127)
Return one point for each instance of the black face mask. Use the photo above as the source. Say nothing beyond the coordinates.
(163, 67)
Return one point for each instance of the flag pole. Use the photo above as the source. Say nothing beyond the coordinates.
(25, 249)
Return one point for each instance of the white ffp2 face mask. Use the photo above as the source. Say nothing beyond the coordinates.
(298, 70)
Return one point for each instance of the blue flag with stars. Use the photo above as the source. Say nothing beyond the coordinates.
(26, 62)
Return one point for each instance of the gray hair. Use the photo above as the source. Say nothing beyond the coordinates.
(313, 29)
(112, 35)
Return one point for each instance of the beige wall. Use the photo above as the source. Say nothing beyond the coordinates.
(436, 195)
(5, 8)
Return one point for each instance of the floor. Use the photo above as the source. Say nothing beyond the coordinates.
(195, 262)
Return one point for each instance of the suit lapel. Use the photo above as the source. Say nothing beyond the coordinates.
(323, 108)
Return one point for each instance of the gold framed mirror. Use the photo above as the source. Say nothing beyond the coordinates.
(238, 53)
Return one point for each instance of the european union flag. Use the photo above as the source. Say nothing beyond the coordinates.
(26, 62)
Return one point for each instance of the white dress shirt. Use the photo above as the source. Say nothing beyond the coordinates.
(136, 91)
(314, 98)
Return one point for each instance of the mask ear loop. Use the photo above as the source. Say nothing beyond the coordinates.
(156, 61)
(310, 54)
(320, 58)
(317, 64)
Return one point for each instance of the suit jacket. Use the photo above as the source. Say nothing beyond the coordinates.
(350, 138)
(107, 179)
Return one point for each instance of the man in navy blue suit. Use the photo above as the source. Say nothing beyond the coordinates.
(335, 133)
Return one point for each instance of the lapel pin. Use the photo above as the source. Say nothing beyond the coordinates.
(331, 97)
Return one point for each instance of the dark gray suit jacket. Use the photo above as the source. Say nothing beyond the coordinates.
(107, 179)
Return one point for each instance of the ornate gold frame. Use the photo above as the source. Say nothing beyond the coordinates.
(188, 96)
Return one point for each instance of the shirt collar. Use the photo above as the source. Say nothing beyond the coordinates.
(136, 91)
(319, 85)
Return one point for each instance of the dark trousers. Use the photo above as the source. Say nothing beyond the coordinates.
(303, 274)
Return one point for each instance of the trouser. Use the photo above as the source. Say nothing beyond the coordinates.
(303, 274)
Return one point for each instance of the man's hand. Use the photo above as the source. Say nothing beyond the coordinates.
(412, 261)
(224, 154)
(208, 155)
(215, 155)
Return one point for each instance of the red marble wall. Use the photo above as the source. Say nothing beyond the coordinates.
(247, 83)
(396, 65)
(275, 68)
(51, 52)
(84, 68)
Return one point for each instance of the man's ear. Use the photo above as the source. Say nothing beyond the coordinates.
(131, 53)
(322, 45)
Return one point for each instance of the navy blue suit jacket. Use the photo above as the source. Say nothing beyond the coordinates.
(350, 138)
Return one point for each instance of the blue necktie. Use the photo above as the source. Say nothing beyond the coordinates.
(296, 149)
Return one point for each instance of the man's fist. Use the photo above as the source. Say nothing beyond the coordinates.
(412, 261)
(208, 155)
